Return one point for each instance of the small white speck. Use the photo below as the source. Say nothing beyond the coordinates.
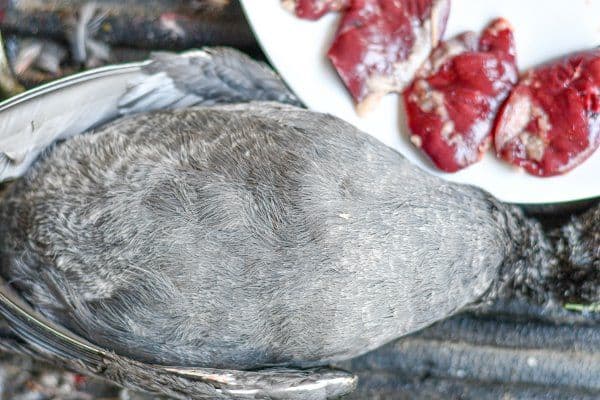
(461, 373)
(416, 140)
(345, 215)
(169, 24)
(532, 362)
(247, 153)
(49, 380)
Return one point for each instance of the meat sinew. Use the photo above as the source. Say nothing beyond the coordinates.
(452, 102)
(551, 121)
(380, 44)
(314, 9)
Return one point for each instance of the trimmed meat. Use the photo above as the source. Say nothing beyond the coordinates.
(380, 44)
(551, 121)
(452, 103)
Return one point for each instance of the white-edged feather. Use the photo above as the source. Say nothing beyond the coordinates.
(32, 121)
(49, 341)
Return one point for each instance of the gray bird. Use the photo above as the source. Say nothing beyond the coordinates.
(182, 226)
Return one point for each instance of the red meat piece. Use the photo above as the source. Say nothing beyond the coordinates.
(551, 121)
(455, 96)
(314, 9)
(380, 44)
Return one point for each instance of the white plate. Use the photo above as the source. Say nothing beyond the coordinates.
(543, 30)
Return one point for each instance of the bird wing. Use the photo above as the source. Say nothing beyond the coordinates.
(32, 121)
(209, 76)
(44, 339)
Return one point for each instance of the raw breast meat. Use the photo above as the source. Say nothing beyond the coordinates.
(451, 104)
(551, 121)
(380, 44)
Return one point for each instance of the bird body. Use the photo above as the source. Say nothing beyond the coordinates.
(226, 236)
(213, 228)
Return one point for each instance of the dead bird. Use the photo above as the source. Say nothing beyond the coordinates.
(210, 225)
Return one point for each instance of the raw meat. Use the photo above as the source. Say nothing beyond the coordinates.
(551, 121)
(455, 96)
(380, 44)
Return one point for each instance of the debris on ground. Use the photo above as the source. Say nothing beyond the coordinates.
(44, 40)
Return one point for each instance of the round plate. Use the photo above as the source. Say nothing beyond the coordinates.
(543, 30)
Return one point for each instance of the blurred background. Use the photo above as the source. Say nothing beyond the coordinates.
(44, 40)
(503, 351)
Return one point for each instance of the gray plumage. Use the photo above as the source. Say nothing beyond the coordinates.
(207, 77)
(255, 235)
(230, 237)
